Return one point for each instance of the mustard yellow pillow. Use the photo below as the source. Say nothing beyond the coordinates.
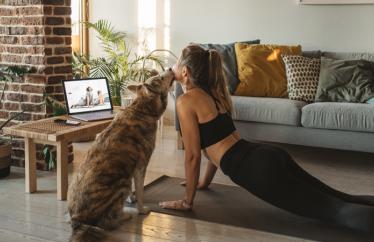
(261, 69)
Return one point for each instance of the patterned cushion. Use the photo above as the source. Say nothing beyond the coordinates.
(302, 77)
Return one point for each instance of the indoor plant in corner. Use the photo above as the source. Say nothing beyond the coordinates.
(119, 65)
(8, 74)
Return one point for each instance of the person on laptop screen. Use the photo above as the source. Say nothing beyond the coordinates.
(88, 98)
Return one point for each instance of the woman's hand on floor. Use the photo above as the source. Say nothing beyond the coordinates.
(200, 185)
(177, 205)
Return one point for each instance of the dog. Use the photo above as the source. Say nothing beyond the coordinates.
(120, 153)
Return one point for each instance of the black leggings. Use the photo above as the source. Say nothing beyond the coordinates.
(272, 175)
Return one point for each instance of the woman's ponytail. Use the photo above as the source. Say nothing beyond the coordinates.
(206, 72)
(217, 81)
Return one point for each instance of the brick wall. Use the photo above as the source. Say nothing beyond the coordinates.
(34, 33)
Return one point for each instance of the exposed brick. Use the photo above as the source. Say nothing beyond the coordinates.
(36, 2)
(13, 87)
(54, 21)
(29, 107)
(9, 40)
(62, 31)
(32, 40)
(53, 2)
(47, 30)
(6, 21)
(48, 51)
(33, 30)
(22, 117)
(36, 98)
(29, 10)
(35, 60)
(34, 79)
(35, 50)
(62, 69)
(48, 70)
(59, 89)
(15, 2)
(49, 89)
(32, 88)
(55, 79)
(11, 58)
(4, 115)
(62, 11)
(11, 106)
(32, 20)
(17, 97)
(68, 20)
(47, 10)
(62, 50)
(59, 97)
(55, 60)
(68, 59)
(17, 30)
(4, 11)
(16, 49)
(4, 30)
(55, 40)
(68, 40)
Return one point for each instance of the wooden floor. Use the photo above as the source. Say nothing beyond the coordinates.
(40, 217)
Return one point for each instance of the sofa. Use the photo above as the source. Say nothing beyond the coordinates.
(336, 125)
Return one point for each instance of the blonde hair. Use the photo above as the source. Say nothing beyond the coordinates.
(205, 67)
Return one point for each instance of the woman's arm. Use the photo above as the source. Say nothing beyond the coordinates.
(209, 173)
(191, 140)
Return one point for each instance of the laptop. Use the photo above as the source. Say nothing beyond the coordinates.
(88, 99)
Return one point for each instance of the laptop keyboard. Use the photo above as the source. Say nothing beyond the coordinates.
(94, 116)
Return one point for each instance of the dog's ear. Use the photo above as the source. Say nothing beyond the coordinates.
(134, 88)
(153, 72)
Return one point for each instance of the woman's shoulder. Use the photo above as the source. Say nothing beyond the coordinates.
(190, 98)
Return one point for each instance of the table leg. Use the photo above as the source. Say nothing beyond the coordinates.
(62, 170)
(30, 165)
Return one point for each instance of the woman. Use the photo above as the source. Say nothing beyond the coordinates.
(268, 172)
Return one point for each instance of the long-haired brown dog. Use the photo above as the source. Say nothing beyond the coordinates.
(121, 152)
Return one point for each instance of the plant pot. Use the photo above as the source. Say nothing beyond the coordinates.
(5, 159)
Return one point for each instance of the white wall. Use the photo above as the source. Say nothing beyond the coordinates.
(121, 13)
(332, 27)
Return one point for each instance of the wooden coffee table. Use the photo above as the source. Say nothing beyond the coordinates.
(46, 131)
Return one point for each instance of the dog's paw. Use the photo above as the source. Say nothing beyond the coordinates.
(131, 199)
(144, 210)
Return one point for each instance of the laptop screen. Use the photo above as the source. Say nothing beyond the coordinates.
(87, 95)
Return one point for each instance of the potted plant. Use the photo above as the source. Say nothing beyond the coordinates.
(8, 74)
(119, 65)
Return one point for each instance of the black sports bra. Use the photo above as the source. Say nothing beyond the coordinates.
(216, 129)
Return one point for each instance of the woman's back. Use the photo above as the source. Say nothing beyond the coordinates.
(216, 129)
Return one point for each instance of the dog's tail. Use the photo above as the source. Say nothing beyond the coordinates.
(87, 233)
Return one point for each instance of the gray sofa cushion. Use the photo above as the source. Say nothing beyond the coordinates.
(341, 116)
(229, 65)
(267, 110)
(312, 54)
(349, 56)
